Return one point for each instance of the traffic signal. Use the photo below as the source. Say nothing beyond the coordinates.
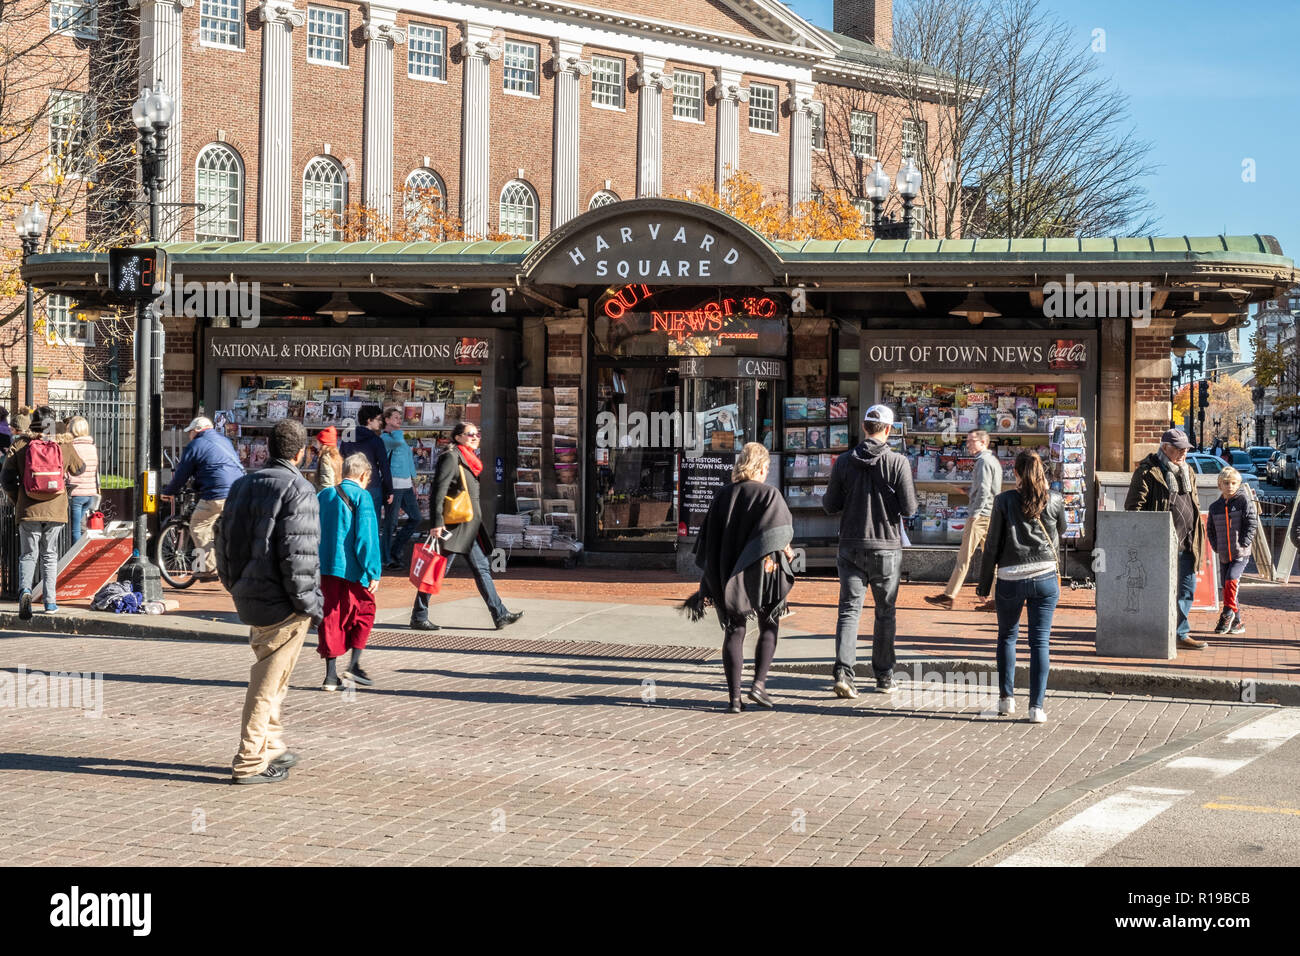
(136, 273)
(1203, 400)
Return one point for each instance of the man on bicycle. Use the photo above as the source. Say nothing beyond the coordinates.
(211, 460)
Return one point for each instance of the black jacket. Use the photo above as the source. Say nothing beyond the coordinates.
(873, 487)
(1014, 539)
(447, 481)
(1149, 491)
(372, 446)
(1232, 526)
(268, 546)
(746, 522)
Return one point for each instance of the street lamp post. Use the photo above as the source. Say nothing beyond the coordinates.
(152, 115)
(1187, 368)
(908, 184)
(30, 226)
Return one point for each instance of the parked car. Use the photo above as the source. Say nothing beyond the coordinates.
(1260, 454)
(1241, 460)
(1273, 468)
(1289, 467)
(1206, 464)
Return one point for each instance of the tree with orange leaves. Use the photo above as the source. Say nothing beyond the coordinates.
(420, 215)
(832, 216)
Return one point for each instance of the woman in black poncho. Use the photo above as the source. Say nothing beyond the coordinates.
(744, 551)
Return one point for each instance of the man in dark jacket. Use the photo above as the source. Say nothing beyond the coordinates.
(1164, 481)
(214, 465)
(459, 469)
(268, 557)
(370, 442)
(872, 487)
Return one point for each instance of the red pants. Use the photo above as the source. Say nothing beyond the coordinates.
(349, 615)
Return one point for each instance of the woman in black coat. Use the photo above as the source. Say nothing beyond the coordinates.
(744, 551)
(458, 470)
(370, 423)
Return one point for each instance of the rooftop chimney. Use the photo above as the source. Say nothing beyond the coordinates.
(870, 20)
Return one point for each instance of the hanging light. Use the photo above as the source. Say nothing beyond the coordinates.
(339, 307)
(974, 308)
(1181, 345)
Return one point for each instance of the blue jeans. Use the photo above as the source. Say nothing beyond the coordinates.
(1041, 595)
(478, 564)
(77, 510)
(38, 544)
(1186, 591)
(858, 568)
(403, 500)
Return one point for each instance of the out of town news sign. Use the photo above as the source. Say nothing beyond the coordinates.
(655, 248)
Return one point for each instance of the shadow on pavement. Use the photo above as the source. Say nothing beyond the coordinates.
(107, 767)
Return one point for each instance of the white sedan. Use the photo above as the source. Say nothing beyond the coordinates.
(1206, 464)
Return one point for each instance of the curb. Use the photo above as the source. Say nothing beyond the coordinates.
(102, 624)
(1087, 679)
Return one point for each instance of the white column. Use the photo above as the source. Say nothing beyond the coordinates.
(275, 188)
(377, 173)
(475, 180)
(652, 81)
(161, 49)
(569, 70)
(728, 95)
(801, 108)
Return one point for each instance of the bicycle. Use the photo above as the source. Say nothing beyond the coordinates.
(176, 551)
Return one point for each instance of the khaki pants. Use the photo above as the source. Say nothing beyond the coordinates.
(977, 530)
(276, 648)
(201, 528)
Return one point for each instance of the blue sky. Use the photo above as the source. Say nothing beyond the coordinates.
(1210, 85)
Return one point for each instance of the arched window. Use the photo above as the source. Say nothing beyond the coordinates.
(424, 189)
(602, 198)
(219, 190)
(324, 196)
(519, 210)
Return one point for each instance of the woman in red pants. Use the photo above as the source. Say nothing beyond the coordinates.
(349, 570)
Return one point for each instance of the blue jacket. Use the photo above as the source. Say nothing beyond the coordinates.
(400, 456)
(345, 552)
(212, 461)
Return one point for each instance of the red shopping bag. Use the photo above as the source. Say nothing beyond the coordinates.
(428, 566)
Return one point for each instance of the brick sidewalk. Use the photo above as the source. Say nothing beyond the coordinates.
(479, 759)
(1268, 651)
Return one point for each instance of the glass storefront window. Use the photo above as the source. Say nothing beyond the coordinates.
(635, 469)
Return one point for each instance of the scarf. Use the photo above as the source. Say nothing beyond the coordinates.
(471, 460)
(1177, 477)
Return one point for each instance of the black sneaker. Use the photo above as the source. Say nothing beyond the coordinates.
(272, 774)
(358, 675)
(509, 619)
(285, 760)
(331, 683)
(424, 626)
(1225, 622)
(886, 685)
(1238, 625)
(844, 686)
(25, 606)
(736, 706)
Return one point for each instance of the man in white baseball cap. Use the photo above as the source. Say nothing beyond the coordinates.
(871, 488)
(213, 463)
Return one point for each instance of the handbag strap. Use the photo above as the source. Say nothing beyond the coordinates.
(1050, 543)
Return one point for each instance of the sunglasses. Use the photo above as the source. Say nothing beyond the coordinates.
(471, 434)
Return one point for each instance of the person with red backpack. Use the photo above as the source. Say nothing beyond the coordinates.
(33, 477)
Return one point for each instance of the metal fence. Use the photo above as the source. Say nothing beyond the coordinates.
(112, 426)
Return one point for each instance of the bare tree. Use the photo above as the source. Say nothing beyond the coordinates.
(67, 143)
(1020, 134)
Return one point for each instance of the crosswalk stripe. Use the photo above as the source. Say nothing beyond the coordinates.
(1219, 766)
(1087, 835)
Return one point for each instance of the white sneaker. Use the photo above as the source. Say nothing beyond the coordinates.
(1037, 715)
(1006, 705)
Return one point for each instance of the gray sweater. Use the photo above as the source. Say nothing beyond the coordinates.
(986, 484)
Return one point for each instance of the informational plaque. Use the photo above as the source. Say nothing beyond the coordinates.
(701, 479)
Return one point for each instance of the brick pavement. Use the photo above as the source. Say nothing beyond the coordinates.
(481, 759)
(1268, 651)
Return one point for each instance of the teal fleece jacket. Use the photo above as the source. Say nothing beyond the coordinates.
(401, 460)
(349, 541)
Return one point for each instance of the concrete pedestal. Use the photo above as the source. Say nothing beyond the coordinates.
(1137, 585)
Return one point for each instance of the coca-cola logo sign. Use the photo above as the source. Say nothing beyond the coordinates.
(470, 351)
(1067, 353)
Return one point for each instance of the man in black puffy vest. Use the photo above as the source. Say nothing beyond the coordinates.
(268, 558)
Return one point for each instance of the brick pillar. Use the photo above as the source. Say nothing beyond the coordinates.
(1149, 395)
(178, 391)
(564, 351)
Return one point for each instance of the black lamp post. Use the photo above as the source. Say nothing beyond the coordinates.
(152, 116)
(909, 187)
(30, 226)
(1184, 368)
